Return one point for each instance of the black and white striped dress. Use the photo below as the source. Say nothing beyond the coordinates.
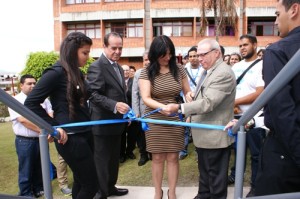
(164, 138)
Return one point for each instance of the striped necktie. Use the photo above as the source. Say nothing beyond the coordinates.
(204, 73)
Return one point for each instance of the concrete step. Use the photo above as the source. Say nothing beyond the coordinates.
(136, 192)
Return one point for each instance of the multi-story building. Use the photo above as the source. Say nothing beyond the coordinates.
(139, 21)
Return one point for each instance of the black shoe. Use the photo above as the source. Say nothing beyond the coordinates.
(38, 194)
(190, 139)
(182, 156)
(131, 156)
(118, 192)
(122, 159)
(251, 193)
(197, 196)
(230, 180)
(144, 159)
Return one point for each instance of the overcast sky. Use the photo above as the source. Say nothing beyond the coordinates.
(26, 26)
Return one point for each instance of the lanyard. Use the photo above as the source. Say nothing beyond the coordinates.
(192, 75)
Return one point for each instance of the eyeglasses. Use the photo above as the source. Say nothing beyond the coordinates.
(193, 56)
(203, 54)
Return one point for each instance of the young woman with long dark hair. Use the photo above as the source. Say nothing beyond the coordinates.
(65, 85)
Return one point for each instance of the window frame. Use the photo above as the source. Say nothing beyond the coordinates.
(173, 28)
(86, 28)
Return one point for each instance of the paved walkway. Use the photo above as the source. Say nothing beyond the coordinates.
(182, 192)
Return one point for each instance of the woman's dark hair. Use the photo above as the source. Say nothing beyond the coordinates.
(69, 60)
(159, 47)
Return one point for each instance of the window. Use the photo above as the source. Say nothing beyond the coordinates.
(81, 1)
(126, 29)
(262, 28)
(91, 30)
(121, 0)
(174, 29)
(210, 29)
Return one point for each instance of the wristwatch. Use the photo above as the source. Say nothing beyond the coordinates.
(179, 108)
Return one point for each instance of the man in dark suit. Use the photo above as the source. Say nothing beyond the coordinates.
(279, 169)
(130, 133)
(108, 101)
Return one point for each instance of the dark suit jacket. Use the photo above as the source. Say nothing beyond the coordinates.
(106, 90)
(129, 91)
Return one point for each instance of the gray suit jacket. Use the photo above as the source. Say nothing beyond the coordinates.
(106, 91)
(138, 105)
(214, 103)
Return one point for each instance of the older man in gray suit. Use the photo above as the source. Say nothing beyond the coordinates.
(213, 104)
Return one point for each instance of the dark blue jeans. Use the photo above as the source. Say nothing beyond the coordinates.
(30, 171)
(254, 140)
(186, 141)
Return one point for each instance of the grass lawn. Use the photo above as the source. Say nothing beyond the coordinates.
(130, 173)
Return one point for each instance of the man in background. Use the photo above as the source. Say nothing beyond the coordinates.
(129, 134)
(194, 71)
(132, 71)
(248, 88)
(27, 144)
(138, 107)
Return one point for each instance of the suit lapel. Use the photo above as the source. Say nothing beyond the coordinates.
(112, 72)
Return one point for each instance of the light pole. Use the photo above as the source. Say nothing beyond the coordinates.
(12, 84)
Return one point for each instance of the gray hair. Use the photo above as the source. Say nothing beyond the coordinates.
(212, 43)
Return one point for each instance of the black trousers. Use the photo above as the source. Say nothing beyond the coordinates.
(78, 154)
(277, 172)
(129, 137)
(107, 154)
(213, 167)
(141, 140)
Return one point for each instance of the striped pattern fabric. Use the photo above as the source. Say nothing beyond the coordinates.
(164, 138)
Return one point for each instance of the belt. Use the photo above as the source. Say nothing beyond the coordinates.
(28, 138)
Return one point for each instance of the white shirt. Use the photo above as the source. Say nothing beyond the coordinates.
(20, 129)
(251, 80)
(195, 75)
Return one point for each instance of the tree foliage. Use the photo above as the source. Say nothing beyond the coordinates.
(224, 15)
(37, 62)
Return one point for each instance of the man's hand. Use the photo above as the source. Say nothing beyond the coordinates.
(63, 136)
(50, 138)
(230, 124)
(170, 109)
(237, 110)
(122, 107)
(189, 96)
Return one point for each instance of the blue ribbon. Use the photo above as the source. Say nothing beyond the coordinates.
(131, 117)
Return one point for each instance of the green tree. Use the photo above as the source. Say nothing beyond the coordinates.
(224, 15)
(37, 62)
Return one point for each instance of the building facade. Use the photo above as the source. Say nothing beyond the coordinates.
(139, 21)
